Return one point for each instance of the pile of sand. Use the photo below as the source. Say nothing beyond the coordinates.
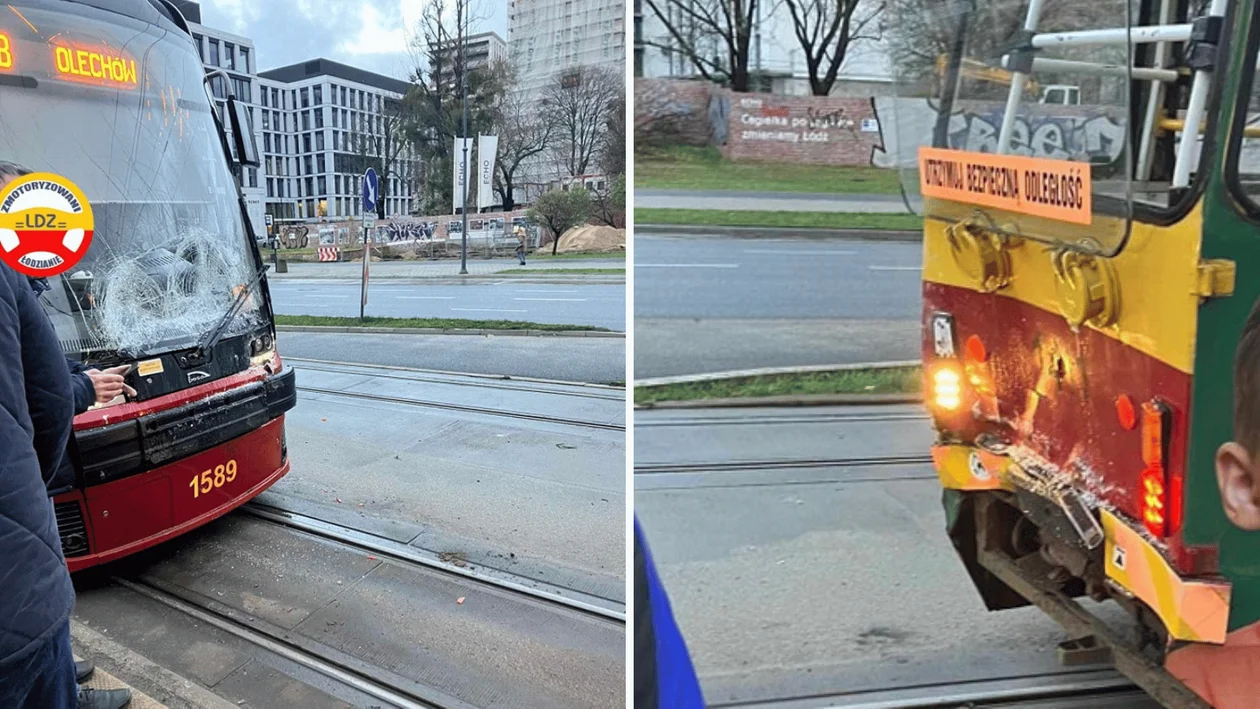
(593, 238)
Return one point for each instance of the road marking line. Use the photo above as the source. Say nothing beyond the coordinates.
(800, 253)
(489, 310)
(424, 297)
(565, 300)
(532, 292)
(335, 297)
(895, 268)
(686, 265)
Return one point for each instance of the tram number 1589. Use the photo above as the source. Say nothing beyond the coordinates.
(213, 479)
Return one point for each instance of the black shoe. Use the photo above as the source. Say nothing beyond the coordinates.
(104, 698)
(83, 669)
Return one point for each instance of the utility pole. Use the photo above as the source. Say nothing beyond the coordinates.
(462, 20)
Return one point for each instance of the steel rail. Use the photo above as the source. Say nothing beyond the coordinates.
(788, 464)
(761, 420)
(1061, 691)
(489, 384)
(471, 375)
(464, 408)
(406, 553)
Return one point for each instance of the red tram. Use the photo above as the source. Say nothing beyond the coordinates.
(111, 94)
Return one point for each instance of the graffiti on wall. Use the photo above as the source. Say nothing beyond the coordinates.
(1058, 137)
(906, 124)
(780, 124)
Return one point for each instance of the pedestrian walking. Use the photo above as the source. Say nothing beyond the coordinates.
(519, 232)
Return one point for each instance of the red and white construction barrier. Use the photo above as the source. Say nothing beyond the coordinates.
(328, 253)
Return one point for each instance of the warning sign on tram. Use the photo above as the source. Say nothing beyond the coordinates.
(1054, 189)
(46, 225)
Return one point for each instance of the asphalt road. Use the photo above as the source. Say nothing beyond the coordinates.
(597, 360)
(718, 304)
(768, 201)
(811, 581)
(565, 304)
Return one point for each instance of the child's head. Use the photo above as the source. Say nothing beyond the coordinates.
(1237, 462)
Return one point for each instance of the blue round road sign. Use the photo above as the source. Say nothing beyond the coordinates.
(371, 190)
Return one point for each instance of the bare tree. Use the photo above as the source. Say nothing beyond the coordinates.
(612, 154)
(825, 29)
(713, 35)
(434, 107)
(524, 131)
(383, 146)
(578, 102)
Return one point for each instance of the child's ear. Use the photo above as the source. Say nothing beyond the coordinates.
(1239, 481)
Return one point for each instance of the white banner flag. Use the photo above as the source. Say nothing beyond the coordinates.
(487, 149)
(460, 181)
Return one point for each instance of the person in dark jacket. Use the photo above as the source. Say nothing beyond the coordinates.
(37, 669)
(664, 677)
(36, 408)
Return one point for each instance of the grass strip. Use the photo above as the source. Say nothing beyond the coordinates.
(688, 168)
(891, 380)
(426, 323)
(786, 220)
(573, 271)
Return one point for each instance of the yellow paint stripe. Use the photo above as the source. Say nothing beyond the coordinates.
(1191, 610)
(1157, 272)
(953, 467)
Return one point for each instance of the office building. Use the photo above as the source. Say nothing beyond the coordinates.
(481, 51)
(235, 56)
(321, 121)
(546, 37)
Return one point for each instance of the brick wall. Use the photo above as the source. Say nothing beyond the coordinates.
(672, 112)
(820, 130)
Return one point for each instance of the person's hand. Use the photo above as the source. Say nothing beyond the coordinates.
(109, 384)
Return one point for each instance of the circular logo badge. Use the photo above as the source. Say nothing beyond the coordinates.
(45, 225)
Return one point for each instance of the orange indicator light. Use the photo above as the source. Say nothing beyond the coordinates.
(975, 349)
(1153, 500)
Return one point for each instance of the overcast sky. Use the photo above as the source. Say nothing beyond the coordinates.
(370, 34)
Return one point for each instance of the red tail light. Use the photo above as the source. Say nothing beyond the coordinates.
(1157, 502)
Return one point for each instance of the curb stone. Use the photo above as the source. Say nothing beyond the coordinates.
(756, 232)
(770, 371)
(442, 331)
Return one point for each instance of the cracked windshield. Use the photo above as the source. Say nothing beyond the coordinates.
(169, 249)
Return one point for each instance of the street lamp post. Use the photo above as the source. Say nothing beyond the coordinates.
(463, 80)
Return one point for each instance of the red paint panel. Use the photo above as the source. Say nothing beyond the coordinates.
(128, 515)
(1074, 418)
(96, 418)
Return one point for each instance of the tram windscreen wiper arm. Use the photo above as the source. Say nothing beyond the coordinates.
(212, 337)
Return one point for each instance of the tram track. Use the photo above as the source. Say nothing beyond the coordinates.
(465, 408)
(589, 604)
(1091, 689)
(357, 672)
(354, 674)
(481, 381)
(783, 420)
(780, 464)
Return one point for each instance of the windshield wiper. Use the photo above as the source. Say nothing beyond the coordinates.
(212, 337)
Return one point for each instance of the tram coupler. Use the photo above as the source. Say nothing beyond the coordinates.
(1084, 651)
